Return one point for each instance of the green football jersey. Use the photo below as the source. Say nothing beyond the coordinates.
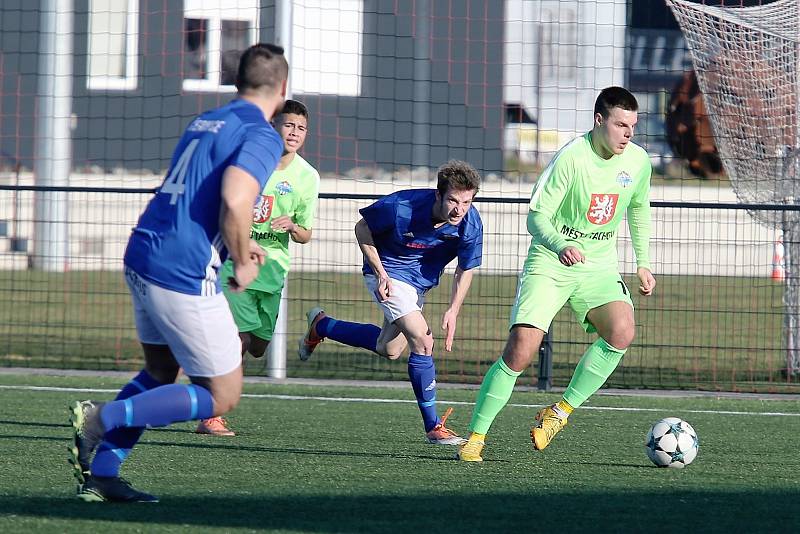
(585, 198)
(292, 191)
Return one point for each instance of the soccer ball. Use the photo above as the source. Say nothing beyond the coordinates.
(671, 442)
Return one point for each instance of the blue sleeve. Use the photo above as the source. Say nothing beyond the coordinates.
(381, 215)
(470, 251)
(259, 154)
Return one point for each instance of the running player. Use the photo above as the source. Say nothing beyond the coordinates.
(407, 239)
(575, 210)
(201, 214)
(285, 209)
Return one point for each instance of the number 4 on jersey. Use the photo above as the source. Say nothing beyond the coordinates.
(173, 185)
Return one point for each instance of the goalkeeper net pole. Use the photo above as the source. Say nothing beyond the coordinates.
(53, 134)
(276, 352)
(746, 60)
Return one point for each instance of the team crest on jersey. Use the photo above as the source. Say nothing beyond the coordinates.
(624, 179)
(283, 188)
(263, 208)
(602, 207)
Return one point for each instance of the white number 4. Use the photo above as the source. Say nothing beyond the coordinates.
(173, 185)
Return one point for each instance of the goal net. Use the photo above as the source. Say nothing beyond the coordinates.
(746, 62)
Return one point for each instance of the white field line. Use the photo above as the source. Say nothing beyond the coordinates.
(406, 401)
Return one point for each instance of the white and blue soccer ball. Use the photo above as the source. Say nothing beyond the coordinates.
(671, 442)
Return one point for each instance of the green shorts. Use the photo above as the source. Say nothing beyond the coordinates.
(255, 312)
(542, 293)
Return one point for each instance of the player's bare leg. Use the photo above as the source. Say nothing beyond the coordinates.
(226, 390)
(103, 482)
(391, 342)
(615, 325)
(523, 342)
(422, 374)
(498, 384)
(257, 347)
(217, 425)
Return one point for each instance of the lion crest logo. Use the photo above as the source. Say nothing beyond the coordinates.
(602, 207)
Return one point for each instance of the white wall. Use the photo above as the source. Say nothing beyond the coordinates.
(711, 242)
(574, 48)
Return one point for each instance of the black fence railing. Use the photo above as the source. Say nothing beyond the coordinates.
(716, 320)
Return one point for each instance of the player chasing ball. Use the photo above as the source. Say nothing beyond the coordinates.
(575, 210)
(201, 214)
(407, 238)
(285, 209)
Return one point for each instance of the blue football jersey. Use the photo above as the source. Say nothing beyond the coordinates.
(410, 248)
(177, 243)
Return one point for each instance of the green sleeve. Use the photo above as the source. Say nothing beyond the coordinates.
(639, 219)
(304, 216)
(552, 186)
(544, 233)
(548, 194)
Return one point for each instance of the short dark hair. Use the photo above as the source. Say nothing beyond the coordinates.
(262, 66)
(615, 97)
(294, 107)
(458, 175)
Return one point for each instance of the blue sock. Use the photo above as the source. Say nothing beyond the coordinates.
(362, 335)
(422, 373)
(157, 407)
(118, 443)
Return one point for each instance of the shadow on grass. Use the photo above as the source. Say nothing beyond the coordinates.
(615, 511)
(35, 424)
(442, 453)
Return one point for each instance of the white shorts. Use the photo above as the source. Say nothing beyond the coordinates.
(403, 300)
(199, 330)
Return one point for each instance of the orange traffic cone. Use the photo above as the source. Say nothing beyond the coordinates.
(778, 265)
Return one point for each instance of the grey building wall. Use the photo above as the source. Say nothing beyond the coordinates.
(137, 129)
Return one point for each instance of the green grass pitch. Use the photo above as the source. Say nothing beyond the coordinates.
(313, 463)
(718, 333)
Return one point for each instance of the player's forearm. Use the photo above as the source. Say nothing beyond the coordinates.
(235, 232)
(462, 280)
(367, 245)
(544, 233)
(235, 225)
(239, 189)
(639, 225)
(299, 234)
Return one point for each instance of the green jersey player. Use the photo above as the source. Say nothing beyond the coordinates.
(285, 209)
(575, 211)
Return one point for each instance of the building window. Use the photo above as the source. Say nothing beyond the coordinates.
(215, 33)
(326, 47)
(113, 44)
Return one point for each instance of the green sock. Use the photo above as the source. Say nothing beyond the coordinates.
(596, 365)
(494, 394)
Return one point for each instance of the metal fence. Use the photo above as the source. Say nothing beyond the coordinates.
(715, 321)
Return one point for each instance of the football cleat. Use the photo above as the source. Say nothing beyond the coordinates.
(88, 432)
(215, 426)
(310, 341)
(441, 435)
(111, 489)
(471, 450)
(548, 425)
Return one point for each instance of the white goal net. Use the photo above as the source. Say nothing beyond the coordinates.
(746, 61)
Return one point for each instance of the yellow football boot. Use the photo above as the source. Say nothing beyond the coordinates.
(471, 450)
(548, 425)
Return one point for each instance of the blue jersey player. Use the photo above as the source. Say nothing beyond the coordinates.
(407, 239)
(200, 216)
